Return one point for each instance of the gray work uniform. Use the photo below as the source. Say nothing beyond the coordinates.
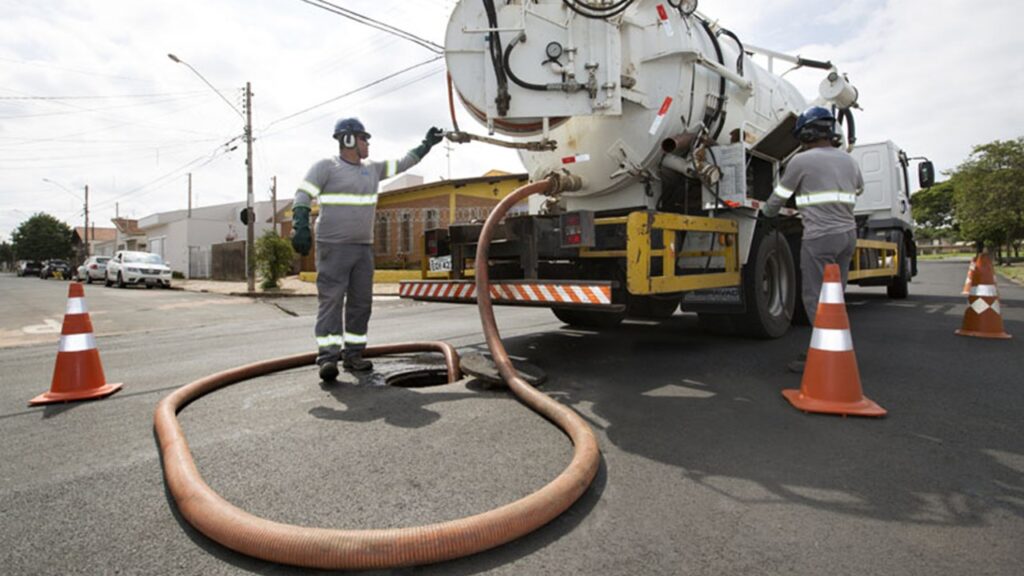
(826, 181)
(347, 195)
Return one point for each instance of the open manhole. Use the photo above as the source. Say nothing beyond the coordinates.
(421, 378)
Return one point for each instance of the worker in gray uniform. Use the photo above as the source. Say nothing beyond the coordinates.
(826, 181)
(346, 189)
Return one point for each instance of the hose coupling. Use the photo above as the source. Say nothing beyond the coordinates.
(563, 182)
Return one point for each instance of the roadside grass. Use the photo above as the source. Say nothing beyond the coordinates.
(1014, 273)
(946, 256)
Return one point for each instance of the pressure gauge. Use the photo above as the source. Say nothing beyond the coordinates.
(688, 7)
(554, 51)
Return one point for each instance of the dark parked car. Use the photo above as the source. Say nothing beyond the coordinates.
(28, 268)
(55, 268)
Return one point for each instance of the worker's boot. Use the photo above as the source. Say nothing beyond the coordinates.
(354, 361)
(329, 371)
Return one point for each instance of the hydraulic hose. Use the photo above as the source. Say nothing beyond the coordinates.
(328, 548)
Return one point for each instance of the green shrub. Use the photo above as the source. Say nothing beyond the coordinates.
(274, 257)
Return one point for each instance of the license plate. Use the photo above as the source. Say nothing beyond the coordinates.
(441, 263)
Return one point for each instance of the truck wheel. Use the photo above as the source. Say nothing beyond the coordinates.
(898, 288)
(589, 318)
(769, 287)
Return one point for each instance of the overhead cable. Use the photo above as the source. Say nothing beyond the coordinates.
(367, 21)
(351, 92)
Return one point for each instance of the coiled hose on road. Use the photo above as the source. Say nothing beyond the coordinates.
(328, 548)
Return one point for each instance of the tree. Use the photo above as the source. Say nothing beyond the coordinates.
(989, 194)
(42, 237)
(7, 256)
(934, 212)
(274, 256)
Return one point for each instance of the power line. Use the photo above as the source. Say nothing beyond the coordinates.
(101, 97)
(351, 92)
(367, 21)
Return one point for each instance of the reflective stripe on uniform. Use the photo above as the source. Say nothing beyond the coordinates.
(390, 168)
(783, 192)
(331, 199)
(309, 188)
(817, 198)
(832, 340)
(77, 343)
(351, 338)
(329, 340)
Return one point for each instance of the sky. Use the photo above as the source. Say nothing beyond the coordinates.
(89, 97)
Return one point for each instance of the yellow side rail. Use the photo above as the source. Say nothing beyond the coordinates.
(874, 259)
(643, 227)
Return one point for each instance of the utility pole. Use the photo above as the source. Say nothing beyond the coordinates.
(86, 229)
(189, 194)
(250, 232)
(273, 200)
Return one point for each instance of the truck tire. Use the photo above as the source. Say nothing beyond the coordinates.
(769, 287)
(898, 288)
(589, 318)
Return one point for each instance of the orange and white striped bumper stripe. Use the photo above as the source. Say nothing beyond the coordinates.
(511, 293)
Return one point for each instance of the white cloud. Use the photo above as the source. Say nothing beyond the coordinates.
(936, 77)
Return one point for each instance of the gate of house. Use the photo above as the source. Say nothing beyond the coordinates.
(198, 261)
(228, 261)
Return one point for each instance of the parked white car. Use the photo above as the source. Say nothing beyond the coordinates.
(95, 268)
(128, 267)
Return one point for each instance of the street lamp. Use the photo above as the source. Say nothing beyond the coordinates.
(85, 230)
(250, 232)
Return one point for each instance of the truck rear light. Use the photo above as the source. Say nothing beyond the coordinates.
(93, 266)
(576, 229)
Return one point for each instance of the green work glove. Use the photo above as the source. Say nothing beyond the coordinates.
(302, 240)
(434, 135)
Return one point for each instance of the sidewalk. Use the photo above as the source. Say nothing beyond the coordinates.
(290, 286)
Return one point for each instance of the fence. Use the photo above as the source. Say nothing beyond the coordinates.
(228, 261)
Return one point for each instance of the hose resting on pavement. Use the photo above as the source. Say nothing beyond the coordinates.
(328, 548)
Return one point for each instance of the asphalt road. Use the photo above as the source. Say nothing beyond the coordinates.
(706, 468)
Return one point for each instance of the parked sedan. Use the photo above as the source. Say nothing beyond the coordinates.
(95, 268)
(28, 268)
(55, 268)
(128, 267)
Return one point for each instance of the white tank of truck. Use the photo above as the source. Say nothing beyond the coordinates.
(610, 83)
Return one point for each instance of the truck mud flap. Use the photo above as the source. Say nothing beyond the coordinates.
(594, 295)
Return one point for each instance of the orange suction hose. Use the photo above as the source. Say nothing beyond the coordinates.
(328, 548)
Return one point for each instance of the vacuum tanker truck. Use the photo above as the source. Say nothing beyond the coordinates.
(678, 132)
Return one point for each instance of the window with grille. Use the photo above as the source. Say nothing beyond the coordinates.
(431, 220)
(405, 234)
(380, 239)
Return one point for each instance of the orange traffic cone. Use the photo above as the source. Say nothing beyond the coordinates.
(831, 382)
(78, 373)
(969, 280)
(982, 318)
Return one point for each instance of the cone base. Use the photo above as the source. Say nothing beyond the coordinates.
(862, 407)
(989, 335)
(55, 397)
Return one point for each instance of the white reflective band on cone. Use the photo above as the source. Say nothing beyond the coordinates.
(77, 343)
(832, 340)
(831, 293)
(988, 290)
(76, 306)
